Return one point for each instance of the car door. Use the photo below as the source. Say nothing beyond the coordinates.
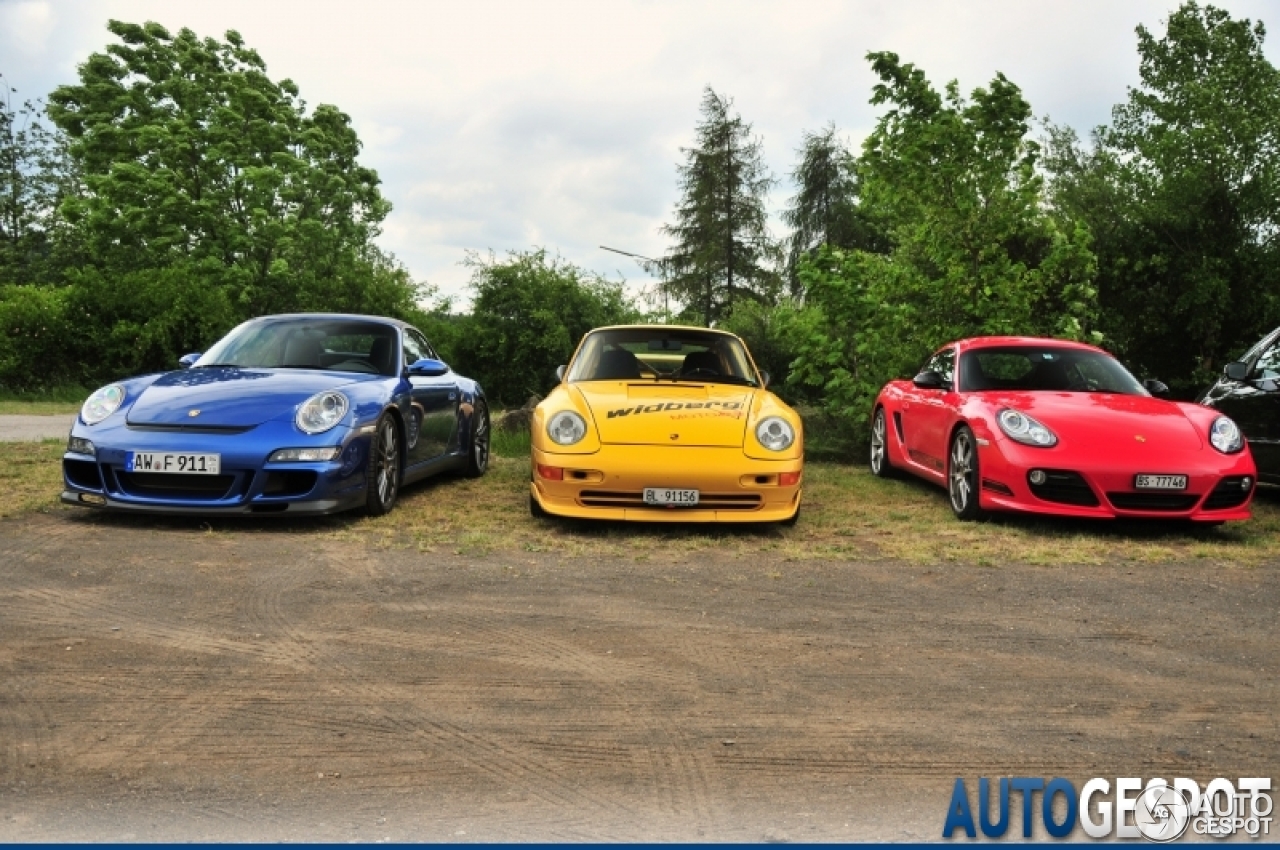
(1254, 404)
(925, 423)
(434, 404)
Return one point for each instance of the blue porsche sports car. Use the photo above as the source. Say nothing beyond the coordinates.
(298, 414)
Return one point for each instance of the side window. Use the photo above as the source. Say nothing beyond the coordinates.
(1268, 366)
(944, 363)
(413, 347)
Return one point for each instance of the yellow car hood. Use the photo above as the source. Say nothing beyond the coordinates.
(668, 414)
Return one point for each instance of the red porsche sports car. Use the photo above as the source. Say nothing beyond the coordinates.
(1055, 427)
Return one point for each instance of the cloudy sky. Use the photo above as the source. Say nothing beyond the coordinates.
(505, 124)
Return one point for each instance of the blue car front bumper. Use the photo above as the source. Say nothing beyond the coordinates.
(247, 482)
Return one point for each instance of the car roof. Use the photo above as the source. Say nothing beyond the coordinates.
(662, 328)
(339, 317)
(976, 342)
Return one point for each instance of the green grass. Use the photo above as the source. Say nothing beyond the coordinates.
(45, 402)
(847, 514)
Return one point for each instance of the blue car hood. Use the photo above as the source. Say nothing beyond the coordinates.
(230, 397)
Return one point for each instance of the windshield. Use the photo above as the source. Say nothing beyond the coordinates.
(1076, 370)
(663, 354)
(301, 343)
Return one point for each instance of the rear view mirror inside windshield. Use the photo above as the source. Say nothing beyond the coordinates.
(665, 345)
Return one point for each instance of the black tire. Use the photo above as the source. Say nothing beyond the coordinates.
(478, 456)
(535, 509)
(963, 478)
(382, 473)
(881, 466)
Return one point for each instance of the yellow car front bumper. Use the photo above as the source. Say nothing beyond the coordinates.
(610, 483)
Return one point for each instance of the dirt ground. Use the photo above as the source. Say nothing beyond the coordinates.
(174, 680)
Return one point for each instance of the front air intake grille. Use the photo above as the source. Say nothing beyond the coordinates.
(82, 473)
(294, 482)
(1228, 494)
(635, 499)
(192, 429)
(1172, 502)
(1065, 488)
(152, 485)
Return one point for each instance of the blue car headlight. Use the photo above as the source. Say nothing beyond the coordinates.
(101, 404)
(321, 412)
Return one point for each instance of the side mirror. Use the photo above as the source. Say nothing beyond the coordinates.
(559, 374)
(186, 361)
(1236, 371)
(428, 368)
(764, 379)
(929, 380)
(1155, 387)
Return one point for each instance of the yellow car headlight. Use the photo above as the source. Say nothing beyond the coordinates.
(775, 434)
(566, 428)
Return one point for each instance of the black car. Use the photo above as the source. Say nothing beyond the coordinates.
(1249, 392)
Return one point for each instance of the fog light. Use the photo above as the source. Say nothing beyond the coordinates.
(80, 446)
(304, 455)
(1037, 476)
(1246, 483)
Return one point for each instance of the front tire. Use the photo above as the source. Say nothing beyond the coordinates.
(962, 475)
(881, 467)
(478, 457)
(382, 476)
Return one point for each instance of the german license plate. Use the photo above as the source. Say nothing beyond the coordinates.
(177, 463)
(1160, 482)
(668, 497)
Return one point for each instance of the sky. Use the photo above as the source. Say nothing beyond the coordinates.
(502, 125)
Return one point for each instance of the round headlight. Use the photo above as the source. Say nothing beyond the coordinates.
(101, 404)
(775, 433)
(321, 412)
(1024, 429)
(566, 428)
(1225, 436)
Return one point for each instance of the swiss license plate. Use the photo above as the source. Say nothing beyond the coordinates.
(668, 497)
(177, 463)
(1160, 482)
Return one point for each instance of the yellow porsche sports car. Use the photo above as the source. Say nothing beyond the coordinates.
(662, 423)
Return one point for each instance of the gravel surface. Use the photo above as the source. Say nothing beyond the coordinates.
(180, 680)
(18, 428)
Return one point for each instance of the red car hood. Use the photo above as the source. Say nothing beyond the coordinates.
(228, 397)
(1106, 420)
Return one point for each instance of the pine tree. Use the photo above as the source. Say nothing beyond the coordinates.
(723, 250)
(824, 212)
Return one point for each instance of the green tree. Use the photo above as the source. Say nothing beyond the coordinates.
(35, 176)
(824, 211)
(1182, 193)
(192, 156)
(529, 312)
(723, 252)
(954, 186)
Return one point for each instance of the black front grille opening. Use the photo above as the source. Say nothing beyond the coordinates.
(1230, 493)
(1063, 487)
(293, 482)
(82, 473)
(158, 485)
(269, 508)
(1171, 502)
(635, 499)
